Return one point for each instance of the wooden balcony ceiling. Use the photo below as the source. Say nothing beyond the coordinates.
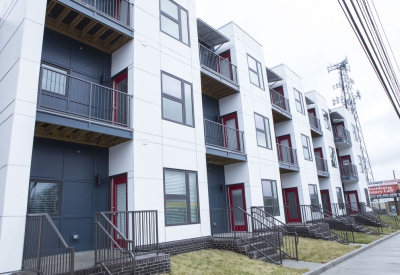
(71, 23)
(58, 132)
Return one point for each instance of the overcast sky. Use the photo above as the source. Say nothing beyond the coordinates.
(308, 35)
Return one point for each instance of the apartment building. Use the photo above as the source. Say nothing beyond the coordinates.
(115, 117)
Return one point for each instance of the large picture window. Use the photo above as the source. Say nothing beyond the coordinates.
(255, 71)
(299, 101)
(270, 197)
(177, 100)
(181, 197)
(263, 131)
(174, 21)
(306, 147)
(44, 197)
(332, 153)
(313, 194)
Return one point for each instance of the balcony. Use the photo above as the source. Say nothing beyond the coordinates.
(224, 145)
(104, 24)
(349, 173)
(287, 158)
(76, 110)
(280, 107)
(315, 125)
(322, 167)
(218, 75)
(342, 137)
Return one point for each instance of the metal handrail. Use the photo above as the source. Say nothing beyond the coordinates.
(349, 170)
(73, 96)
(322, 164)
(279, 101)
(314, 122)
(45, 250)
(287, 155)
(387, 218)
(218, 64)
(118, 11)
(340, 132)
(219, 135)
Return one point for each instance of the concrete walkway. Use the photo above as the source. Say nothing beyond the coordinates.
(383, 258)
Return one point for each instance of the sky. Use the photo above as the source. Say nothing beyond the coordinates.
(308, 36)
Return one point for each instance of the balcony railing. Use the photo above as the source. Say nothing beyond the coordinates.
(218, 64)
(340, 132)
(279, 101)
(116, 10)
(349, 170)
(322, 164)
(314, 122)
(219, 135)
(287, 155)
(72, 96)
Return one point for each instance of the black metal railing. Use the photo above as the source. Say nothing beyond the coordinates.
(324, 223)
(287, 155)
(279, 101)
(45, 250)
(235, 223)
(349, 171)
(322, 164)
(339, 132)
(221, 136)
(314, 122)
(218, 64)
(387, 218)
(72, 96)
(290, 237)
(116, 10)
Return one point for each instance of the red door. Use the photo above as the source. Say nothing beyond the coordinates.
(237, 200)
(326, 202)
(352, 199)
(344, 165)
(119, 205)
(292, 207)
(224, 67)
(120, 108)
(231, 135)
(285, 149)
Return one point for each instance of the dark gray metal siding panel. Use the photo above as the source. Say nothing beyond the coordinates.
(211, 108)
(216, 186)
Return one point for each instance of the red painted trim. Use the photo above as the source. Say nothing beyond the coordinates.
(326, 193)
(117, 80)
(282, 138)
(230, 189)
(312, 111)
(348, 193)
(115, 181)
(287, 209)
(224, 120)
(319, 151)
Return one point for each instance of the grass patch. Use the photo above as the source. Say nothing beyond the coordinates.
(225, 262)
(365, 238)
(388, 231)
(319, 251)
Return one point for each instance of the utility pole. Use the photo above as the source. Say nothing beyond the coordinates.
(395, 198)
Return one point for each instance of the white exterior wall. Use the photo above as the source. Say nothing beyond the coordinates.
(261, 163)
(21, 30)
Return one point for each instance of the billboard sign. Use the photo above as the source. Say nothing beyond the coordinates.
(384, 189)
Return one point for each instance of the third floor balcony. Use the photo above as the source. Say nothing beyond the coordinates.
(280, 107)
(315, 125)
(287, 158)
(342, 137)
(322, 167)
(348, 172)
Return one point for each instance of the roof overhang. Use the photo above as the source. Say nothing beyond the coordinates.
(209, 35)
(335, 116)
(272, 76)
(309, 101)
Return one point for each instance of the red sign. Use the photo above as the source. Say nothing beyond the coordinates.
(384, 189)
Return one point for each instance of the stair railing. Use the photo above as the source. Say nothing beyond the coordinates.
(385, 218)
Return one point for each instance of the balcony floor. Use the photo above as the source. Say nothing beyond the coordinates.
(322, 174)
(220, 156)
(349, 179)
(341, 144)
(215, 85)
(285, 168)
(279, 115)
(316, 132)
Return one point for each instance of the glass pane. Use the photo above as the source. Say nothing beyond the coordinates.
(252, 63)
(169, 26)
(184, 24)
(267, 188)
(268, 135)
(304, 141)
(54, 80)
(237, 200)
(254, 78)
(231, 134)
(261, 141)
(121, 206)
(172, 110)
(170, 8)
(259, 122)
(43, 197)
(194, 207)
(296, 94)
(122, 85)
(188, 104)
(175, 183)
(299, 106)
(171, 86)
(261, 76)
(175, 211)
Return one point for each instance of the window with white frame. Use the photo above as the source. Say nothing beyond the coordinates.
(263, 131)
(313, 194)
(270, 197)
(177, 100)
(326, 120)
(305, 140)
(332, 153)
(181, 197)
(299, 101)
(255, 71)
(44, 197)
(360, 162)
(354, 132)
(174, 21)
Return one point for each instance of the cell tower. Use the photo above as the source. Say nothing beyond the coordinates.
(348, 99)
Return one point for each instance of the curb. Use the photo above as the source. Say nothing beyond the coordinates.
(347, 256)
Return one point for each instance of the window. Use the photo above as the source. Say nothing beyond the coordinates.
(262, 131)
(313, 194)
(54, 79)
(44, 197)
(326, 120)
(354, 132)
(177, 102)
(270, 196)
(181, 197)
(367, 197)
(299, 101)
(306, 147)
(255, 71)
(174, 21)
(339, 196)
(333, 157)
(360, 160)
